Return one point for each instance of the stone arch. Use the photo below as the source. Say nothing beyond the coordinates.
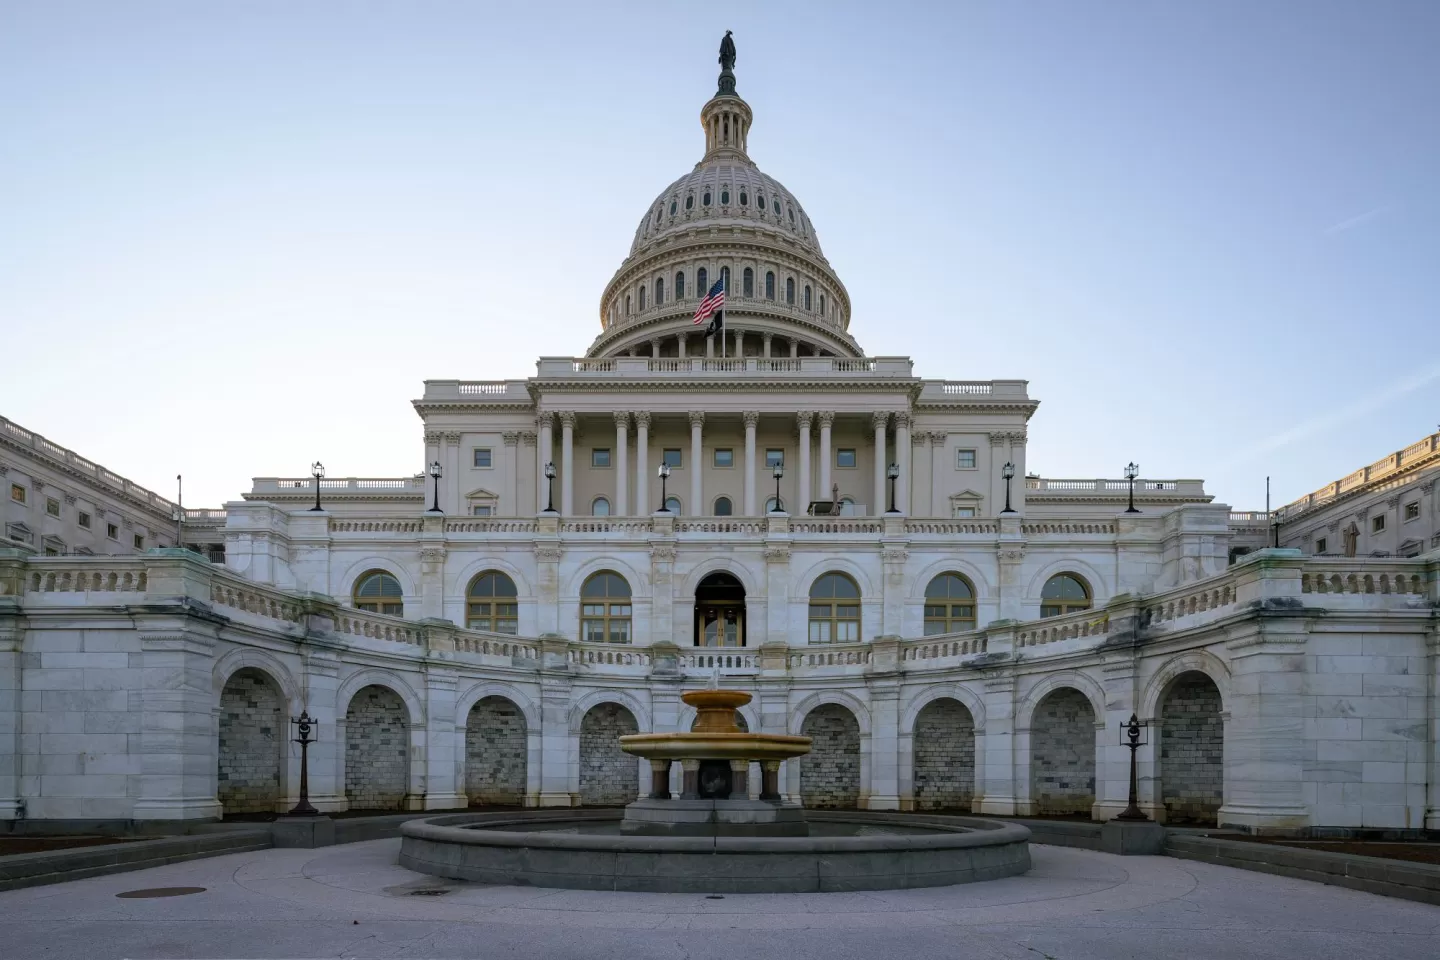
(639, 582)
(459, 583)
(1097, 582)
(830, 772)
(377, 749)
(1191, 755)
(1062, 752)
(496, 688)
(720, 565)
(267, 663)
(591, 700)
(983, 588)
(828, 697)
(953, 691)
(348, 580)
(251, 741)
(1025, 709)
(801, 583)
(608, 775)
(943, 752)
(497, 751)
(1198, 661)
(352, 685)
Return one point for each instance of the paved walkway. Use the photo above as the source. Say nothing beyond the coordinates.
(353, 901)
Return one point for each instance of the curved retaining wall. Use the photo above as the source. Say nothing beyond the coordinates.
(961, 850)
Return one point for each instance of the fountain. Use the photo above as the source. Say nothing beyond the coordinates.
(714, 837)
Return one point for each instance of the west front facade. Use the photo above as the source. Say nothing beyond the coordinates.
(757, 503)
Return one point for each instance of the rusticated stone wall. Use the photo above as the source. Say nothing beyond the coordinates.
(377, 750)
(1192, 750)
(1062, 751)
(607, 774)
(943, 745)
(495, 752)
(830, 772)
(250, 743)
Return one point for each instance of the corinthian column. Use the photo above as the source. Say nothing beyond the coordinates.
(803, 490)
(697, 489)
(880, 420)
(642, 463)
(567, 464)
(752, 418)
(544, 450)
(826, 419)
(902, 457)
(622, 464)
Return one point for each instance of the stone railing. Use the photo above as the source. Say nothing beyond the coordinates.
(830, 655)
(491, 525)
(100, 575)
(348, 486)
(1065, 528)
(376, 626)
(606, 525)
(643, 368)
(944, 647)
(1215, 593)
(1358, 576)
(963, 391)
(375, 526)
(608, 654)
(726, 661)
(478, 391)
(1370, 477)
(488, 644)
(237, 593)
(952, 527)
(1083, 623)
(843, 525)
(749, 526)
(1115, 488)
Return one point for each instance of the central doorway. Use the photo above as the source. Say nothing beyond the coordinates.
(720, 612)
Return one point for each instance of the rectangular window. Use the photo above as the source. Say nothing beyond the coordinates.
(139, 542)
(483, 457)
(670, 457)
(1412, 510)
(600, 457)
(17, 493)
(964, 512)
(725, 457)
(1320, 545)
(481, 510)
(845, 457)
(1377, 524)
(84, 519)
(965, 459)
(774, 458)
(52, 506)
(112, 531)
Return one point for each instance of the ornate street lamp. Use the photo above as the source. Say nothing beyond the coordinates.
(1130, 734)
(435, 474)
(1132, 470)
(549, 486)
(664, 474)
(304, 726)
(317, 470)
(1008, 472)
(778, 472)
(893, 472)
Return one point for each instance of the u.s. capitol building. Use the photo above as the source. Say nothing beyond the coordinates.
(863, 549)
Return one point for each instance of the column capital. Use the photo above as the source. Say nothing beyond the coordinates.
(567, 418)
(433, 436)
(510, 437)
(642, 419)
(528, 438)
(803, 418)
(998, 439)
(938, 439)
(697, 418)
(826, 418)
(452, 436)
(751, 418)
(766, 337)
(544, 420)
(903, 420)
(919, 438)
(622, 419)
(1017, 437)
(880, 419)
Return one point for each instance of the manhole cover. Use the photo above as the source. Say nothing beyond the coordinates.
(428, 893)
(151, 892)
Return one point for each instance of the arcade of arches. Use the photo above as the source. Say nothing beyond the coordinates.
(608, 775)
(1062, 753)
(252, 743)
(944, 754)
(377, 749)
(496, 753)
(830, 772)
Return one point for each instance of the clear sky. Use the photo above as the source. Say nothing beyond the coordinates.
(236, 237)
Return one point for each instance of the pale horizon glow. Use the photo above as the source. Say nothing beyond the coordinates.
(237, 237)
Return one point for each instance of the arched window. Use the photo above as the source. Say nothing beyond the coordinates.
(690, 202)
(627, 304)
(605, 609)
(725, 276)
(822, 304)
(1064, 593)
(725, 197)
(744, 199)
(706, 199)
(659, 290)
(723, 507)
(600, 507)
(747, 279)
(379, 592)
(702, 282)
(760, 200)
(792, 215)
(769, 287)
(789, 293)
(490, 604)
(807, 297)
(834, 610)
(680, 285)
(673, 505)
(672, 208)
(949, 605)
(642, 299)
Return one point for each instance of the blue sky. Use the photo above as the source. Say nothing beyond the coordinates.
(235, 237)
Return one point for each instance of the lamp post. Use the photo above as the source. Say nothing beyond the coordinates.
(549, 486)
(1008, 472)
(893, 472)
(1130, 733)
(435, 474)
(664, 474)
(777, 473)
(317, 470)
(1275, 528)
(1131, 472)
(304, 726)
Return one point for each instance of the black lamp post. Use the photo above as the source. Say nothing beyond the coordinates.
(435, 474)
(1130, 733)
(317, 470)
(1275, 528)
(1131, 472)
(664, 474)
(304, 726)
(893, 472)
(1008, 472)
(549, 487)
(778, 472)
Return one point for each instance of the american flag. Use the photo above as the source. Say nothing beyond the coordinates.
(712, 302)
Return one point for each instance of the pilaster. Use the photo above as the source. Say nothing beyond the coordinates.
(1000, 788)
(178, 730)
(894, 554)
(559, 759)
(547, 575)
(883, 680)
(662, 577)
(438, 750)
(1010, 561)
(432, 566)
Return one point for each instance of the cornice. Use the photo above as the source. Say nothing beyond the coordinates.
(93, 483)
(766, 384)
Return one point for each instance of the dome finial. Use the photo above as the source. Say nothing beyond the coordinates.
(727, 66)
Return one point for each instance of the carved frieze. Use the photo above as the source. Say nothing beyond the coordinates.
(1010, 554)
(510, 438)
(547, 552)
(777, 553)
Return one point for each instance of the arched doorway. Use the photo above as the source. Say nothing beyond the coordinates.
(830, 772)
(720, 612)
(252, 737)
(944, 749)
(608, 775)
(1192, 750)
(1062, 754)
(377, 750)
(496, 751)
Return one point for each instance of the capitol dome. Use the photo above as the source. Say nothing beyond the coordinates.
(725, 218)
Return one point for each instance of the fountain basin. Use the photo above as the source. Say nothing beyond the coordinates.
(756, 747)
(848, 850)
